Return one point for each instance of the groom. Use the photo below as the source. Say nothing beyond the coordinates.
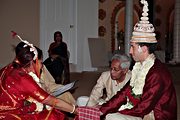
(150, 92)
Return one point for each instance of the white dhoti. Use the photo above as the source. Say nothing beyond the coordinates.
(119, 116)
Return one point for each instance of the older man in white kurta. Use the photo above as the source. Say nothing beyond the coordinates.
(110, 85)
(113, 80)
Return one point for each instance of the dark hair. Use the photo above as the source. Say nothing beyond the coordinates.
(23, 55)
(40, 53)
(151, 46)
(57, 32)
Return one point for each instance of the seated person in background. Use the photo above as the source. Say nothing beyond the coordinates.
(58, 61)
(113, 80)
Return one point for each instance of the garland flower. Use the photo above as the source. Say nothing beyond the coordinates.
(32, 49)
(139, 73)
(39, 106)
(137, 81)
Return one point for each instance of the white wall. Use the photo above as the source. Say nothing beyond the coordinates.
(87, 27)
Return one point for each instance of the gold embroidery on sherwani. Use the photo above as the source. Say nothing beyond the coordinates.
(5, 107)
(41, 97)
(16, 116)
(2, 116)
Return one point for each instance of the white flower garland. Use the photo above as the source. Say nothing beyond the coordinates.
(39, 106)
(36, 79)
(32, 49)
(128, 105)
(139, 73)
(137, 80)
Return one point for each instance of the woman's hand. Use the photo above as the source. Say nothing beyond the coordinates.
(76, 111)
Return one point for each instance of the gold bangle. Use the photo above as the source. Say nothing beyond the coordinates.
(74, 108)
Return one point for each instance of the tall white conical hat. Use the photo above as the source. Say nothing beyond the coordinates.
(144, 30)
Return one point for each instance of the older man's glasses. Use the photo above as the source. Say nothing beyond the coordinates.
(115, 69)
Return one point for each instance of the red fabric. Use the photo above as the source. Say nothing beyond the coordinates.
(133, 100)
(15, 87)
(158, 95)
(54, 115)
(88, 113)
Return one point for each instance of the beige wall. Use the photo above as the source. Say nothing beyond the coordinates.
(21, 16)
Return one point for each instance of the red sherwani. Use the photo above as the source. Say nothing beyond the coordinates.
(16, 86)
(158, 95)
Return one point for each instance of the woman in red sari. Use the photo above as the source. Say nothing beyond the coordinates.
(19, 92)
